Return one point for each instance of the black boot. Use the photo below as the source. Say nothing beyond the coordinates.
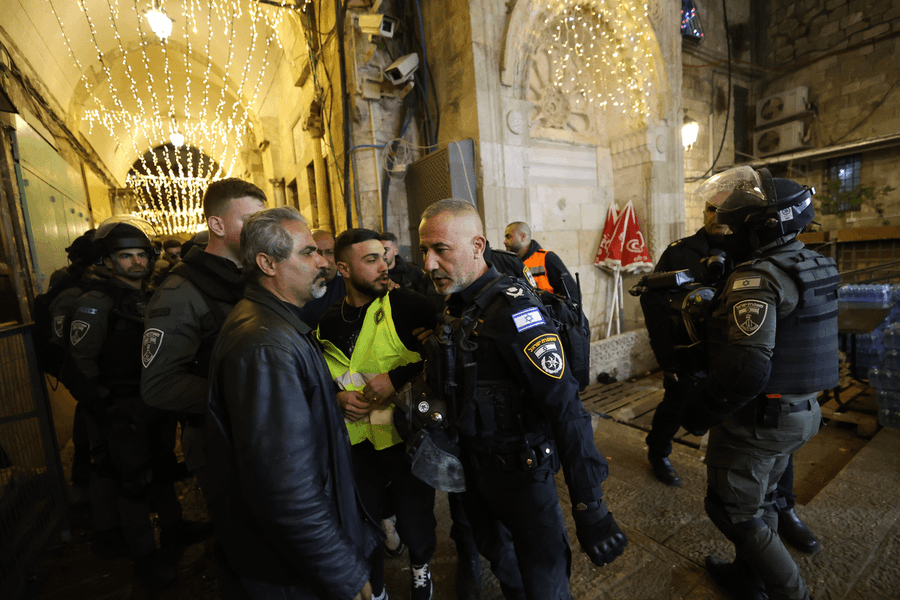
(664, 471)
(152, 574)
(794, 532)
(739, 581)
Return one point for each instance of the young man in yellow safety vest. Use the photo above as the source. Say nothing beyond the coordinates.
(370, 347)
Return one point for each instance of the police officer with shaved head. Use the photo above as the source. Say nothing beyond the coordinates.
(517, 416)
(773, 347)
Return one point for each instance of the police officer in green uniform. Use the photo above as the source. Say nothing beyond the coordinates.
(773, 346)
(517, 417)
(186, 312)
(103, 374)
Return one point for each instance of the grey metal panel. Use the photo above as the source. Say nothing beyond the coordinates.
(447, 173)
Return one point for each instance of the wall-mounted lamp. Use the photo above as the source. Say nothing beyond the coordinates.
(689, 132)
(159, 21)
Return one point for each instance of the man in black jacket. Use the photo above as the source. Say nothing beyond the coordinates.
(278, 447)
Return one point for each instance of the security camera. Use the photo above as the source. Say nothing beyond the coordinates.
(382, 25)
(402, 70)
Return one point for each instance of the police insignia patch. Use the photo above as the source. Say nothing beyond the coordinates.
(749, 315)
(77, 331)
(545, 352)
(150, 345)
(58, 323)
(514, 291)
(528, 318)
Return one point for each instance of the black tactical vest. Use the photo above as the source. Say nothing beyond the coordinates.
(805, 358)
(120, 358)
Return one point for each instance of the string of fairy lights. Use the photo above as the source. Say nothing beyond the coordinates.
(151, 92)
(602, 49)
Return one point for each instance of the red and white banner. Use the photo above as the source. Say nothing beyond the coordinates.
(609, 228)
(626, 249)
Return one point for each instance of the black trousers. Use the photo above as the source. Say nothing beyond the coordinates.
(667, 421)
(384, 476)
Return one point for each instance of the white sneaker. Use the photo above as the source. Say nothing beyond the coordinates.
(392, 545)
(382, 596)
(421, 582)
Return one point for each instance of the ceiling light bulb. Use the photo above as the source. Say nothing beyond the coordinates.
(177, 139)
(159, 21)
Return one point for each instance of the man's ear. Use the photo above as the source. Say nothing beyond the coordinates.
(216, 225)
(478, 244)
(344, 269)
(265, 264)
(108, 262)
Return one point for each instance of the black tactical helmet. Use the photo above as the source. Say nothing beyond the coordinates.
(124, 231)
(771, 207)
(81, 252)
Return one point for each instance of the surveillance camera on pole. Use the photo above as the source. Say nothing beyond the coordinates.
(380, 25)
(403, 69)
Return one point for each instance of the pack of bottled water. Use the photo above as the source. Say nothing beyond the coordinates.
(885, 378)
(870, 348)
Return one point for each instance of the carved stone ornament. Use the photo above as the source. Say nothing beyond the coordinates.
(516, 122)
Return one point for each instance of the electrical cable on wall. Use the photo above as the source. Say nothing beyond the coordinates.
(728, 99)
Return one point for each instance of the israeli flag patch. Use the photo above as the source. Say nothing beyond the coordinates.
(528, 318)
(748, 283)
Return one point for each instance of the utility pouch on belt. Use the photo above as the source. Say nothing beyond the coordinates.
(771, 410)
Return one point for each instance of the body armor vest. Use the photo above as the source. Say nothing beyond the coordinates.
(490, 414)
(120, 358)
(805, 358)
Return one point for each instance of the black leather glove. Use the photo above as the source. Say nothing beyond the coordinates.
(701, 411)
(599, 534)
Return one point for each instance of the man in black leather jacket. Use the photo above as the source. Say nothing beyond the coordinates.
(278, 447)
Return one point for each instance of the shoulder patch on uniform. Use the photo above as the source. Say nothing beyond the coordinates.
(747, 283)
(528, 318)
(159, 312)
(58, 323)
(150, 345)
(546, 353)
(77, 331)
(749, 315)
(514, 291)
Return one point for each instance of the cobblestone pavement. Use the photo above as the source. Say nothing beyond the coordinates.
(855, 517)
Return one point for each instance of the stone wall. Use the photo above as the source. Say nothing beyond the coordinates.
(845, 52)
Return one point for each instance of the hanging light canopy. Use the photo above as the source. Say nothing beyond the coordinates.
(689, 132)
(159, 21)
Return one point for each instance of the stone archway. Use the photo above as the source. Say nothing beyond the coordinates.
(579, 155)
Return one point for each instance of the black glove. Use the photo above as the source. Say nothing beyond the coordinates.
(599, 534)
(701, 411)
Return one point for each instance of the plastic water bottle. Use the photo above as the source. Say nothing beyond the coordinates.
(891, 338)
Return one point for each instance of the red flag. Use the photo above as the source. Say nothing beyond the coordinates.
(612, 215)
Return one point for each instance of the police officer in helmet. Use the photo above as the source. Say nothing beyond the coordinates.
(773, 346)
(128, 439)
(517, 416)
